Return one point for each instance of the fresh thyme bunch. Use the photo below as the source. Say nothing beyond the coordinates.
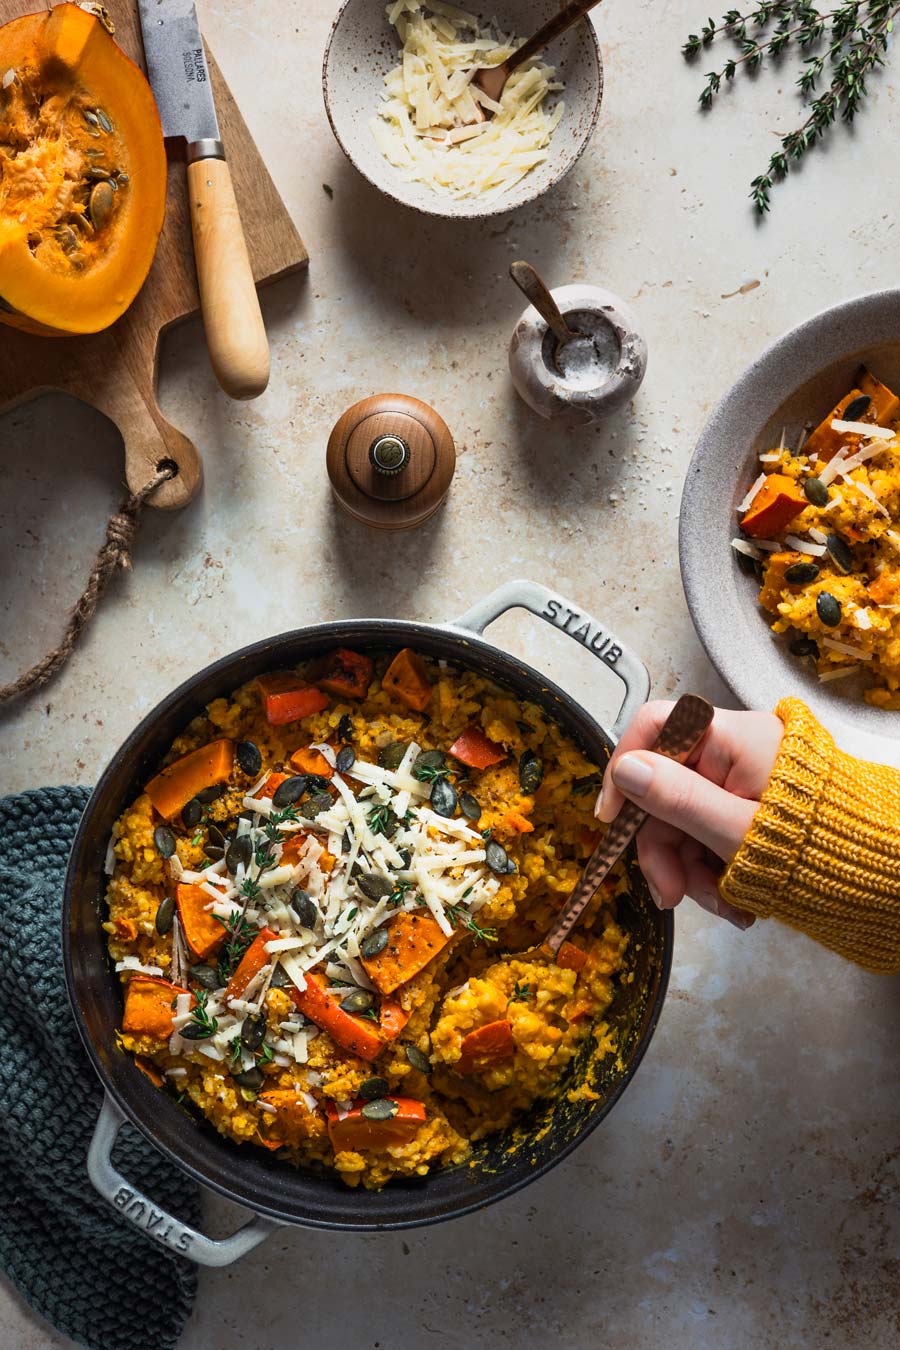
(839, 47)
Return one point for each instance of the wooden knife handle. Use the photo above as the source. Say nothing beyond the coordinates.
(552, 29)
(235, 333)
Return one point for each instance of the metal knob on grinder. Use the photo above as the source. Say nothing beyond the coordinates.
(391, 460)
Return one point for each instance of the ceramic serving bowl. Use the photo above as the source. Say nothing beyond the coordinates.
(794, 381)
(363, 48)
(276, 1192)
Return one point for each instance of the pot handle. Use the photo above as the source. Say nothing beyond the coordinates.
(553, 608)
(154, 1222)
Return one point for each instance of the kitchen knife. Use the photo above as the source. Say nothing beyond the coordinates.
(179, 76)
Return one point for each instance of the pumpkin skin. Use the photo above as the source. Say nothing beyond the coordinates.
(75, 246)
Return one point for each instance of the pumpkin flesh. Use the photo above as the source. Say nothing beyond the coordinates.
(82, 174)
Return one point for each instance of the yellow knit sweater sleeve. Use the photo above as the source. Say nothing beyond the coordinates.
(823, 853)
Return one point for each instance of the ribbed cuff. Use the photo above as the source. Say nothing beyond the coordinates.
(823, 853)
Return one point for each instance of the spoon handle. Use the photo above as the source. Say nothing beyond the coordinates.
(535, 289)
(552, 29)
(681, 733)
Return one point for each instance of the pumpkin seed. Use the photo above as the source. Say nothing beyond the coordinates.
(240, 850)
(390, 756)
(374, 943)
(290, 791)
(205, 975)
(345, 728)
(804, 646)
(90, 117)
(165, 916)
(430, 759)
(840, 553)
(373, 885)
(281, 979)
(469, 806)
(304, 907)
(381, 1109)
(346, 759)
(164, 840)
(100, 204)
(373, 1088)
(746, 564)
(828, 609)
(316, 805)
(99, 172)
(211, 794)
(497, 858)
(357, 1001)
(417, 1059)
(531, 771)
(405, 858)
(253, 1031)
(801, 573)
(193, 1031)
(122, 177)
(815, 491)
(215, 836)
(443, 797)
(214, 852)
(192, 813)
(252, 1078)
(316, 783)
(68, 239)
(855, 408)
(248, 757)
(104, 121)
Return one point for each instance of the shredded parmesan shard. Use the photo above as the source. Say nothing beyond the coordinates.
(838, 673)
(845, 649)
(431, 125)
(804, 546)
(748, 500)
(749, 550)
(867, 492)
(867, 429)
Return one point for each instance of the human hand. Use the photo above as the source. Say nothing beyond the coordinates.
(699, 812)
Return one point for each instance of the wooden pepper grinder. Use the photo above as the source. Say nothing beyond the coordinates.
(390, 460)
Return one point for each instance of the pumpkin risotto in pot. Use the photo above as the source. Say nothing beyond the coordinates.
(324, 909)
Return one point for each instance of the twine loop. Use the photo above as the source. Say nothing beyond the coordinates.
(114, 553)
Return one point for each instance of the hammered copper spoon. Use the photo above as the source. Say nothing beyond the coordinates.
(492, 79)
(681, 733)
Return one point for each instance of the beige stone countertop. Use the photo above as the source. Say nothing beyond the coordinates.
(746, 1190)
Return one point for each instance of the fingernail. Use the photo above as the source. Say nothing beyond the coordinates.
(632, 775)
(601, 806)
(655, 895)
(737, 917)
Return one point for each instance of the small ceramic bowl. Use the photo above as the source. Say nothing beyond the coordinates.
(793, 382)
(594, 311)
(363, 48)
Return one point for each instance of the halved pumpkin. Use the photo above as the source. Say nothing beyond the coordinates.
(82, 174)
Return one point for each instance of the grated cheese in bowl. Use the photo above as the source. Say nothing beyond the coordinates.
(432, 126)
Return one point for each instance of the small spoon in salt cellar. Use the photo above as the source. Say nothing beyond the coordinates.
(536, 290)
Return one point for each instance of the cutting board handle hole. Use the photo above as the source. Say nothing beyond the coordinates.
(168, 466)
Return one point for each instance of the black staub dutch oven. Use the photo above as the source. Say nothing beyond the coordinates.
(278, 1193)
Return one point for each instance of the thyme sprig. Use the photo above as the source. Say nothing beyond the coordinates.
(202, 1025)
(522, 993)
(240, 933)
(847, 42)
(461, 917)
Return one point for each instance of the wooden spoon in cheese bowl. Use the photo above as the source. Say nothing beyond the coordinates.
(491, 80)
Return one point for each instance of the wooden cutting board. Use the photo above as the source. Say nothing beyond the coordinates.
(115, 371)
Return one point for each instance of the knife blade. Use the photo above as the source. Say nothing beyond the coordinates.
(177, 69)
(178, 72)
